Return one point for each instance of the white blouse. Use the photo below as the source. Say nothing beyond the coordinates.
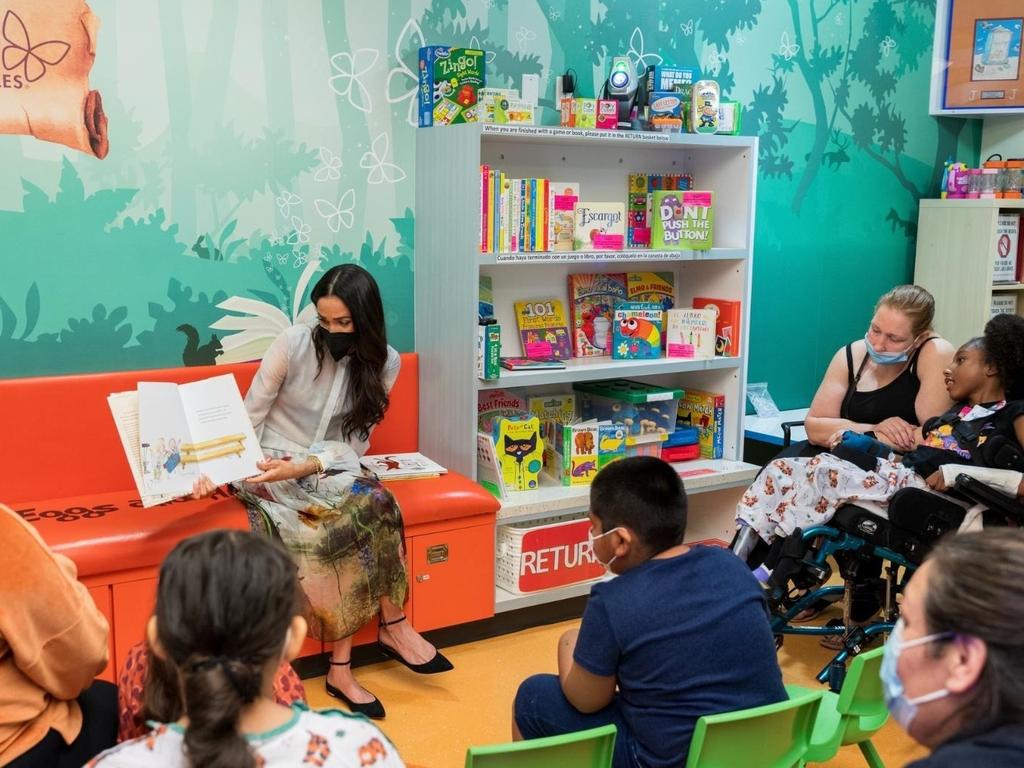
(299, 413)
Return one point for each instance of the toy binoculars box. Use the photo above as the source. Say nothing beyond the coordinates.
(450, 81)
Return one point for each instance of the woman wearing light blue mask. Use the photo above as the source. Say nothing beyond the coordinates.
(953, 672)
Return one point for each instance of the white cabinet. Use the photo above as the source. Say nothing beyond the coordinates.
(448, 266)
(956, 247)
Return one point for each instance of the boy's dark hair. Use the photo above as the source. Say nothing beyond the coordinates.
(1003, 342)
(224, 604)
(646, 495)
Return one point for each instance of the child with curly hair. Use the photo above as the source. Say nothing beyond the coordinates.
(985, 382)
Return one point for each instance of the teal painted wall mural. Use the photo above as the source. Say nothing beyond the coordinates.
(253, 145)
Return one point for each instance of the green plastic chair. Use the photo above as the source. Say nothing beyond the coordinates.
(772, 736)
(592, 748)
(853, 715)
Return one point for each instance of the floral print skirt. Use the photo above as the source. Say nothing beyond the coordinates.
(345, 533)
(798, 493)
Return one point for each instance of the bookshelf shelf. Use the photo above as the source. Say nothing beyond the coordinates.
(596, 368)
(596, 258)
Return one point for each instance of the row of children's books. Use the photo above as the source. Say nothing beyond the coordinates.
(535, 214)
(624, 315)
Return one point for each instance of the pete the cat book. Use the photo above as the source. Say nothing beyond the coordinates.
(636, 329)
(706, 412)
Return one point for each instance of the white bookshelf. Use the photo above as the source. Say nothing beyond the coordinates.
(449, 264)
(956, 241)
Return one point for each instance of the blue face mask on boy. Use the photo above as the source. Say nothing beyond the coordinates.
(887, 358)
(904, 710)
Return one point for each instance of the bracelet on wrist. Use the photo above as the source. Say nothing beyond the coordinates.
(318, 466)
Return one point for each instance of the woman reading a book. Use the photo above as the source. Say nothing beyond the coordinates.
(318, 394)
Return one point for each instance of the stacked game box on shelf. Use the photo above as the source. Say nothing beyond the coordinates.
(592, 301)
(450, 79)
(642, 187)
(636, 330)
(706, 412)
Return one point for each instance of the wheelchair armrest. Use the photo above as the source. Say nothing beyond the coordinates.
(996, 501)
(787, 433)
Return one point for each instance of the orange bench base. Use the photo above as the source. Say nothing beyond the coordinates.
(449, 547)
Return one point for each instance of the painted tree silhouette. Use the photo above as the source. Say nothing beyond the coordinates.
(853, 91)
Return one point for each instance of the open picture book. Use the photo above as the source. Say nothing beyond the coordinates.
(173, 433)
(402, 466)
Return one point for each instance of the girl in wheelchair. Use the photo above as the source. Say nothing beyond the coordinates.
(985, 382)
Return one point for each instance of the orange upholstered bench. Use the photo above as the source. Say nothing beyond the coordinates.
(63, 469)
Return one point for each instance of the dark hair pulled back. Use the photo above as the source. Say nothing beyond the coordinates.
(224, 605)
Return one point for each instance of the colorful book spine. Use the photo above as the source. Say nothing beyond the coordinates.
(490, 211)
(484, 205)
(522, 215)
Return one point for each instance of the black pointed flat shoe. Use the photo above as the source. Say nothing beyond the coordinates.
(436, 664)
(371, 709)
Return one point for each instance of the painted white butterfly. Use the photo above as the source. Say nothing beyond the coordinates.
(286, 201)
(351, 67)
(410, 38)
(687, 27)
(338, 215)
(331, 168)
(524, 36)
(636, 52)
(300, 232)
(787, 49)
(554, 14)
(887, 45)
(376, 161)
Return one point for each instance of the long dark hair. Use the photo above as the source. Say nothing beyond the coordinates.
(367, 397)
(223, 607)
(976, 589)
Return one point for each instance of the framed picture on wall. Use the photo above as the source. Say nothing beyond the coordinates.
(976, 65)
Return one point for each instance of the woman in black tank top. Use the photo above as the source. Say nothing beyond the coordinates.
(888, 383)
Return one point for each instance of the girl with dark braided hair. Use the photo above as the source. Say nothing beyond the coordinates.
(228, 611)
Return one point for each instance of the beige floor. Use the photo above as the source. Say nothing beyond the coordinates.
(433, 719)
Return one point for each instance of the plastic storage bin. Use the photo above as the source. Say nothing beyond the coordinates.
(643, 408)
(646, 445)
(544, 554)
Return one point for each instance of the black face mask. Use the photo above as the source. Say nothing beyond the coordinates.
(340, 344)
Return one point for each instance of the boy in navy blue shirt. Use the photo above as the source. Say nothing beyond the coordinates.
(682, 632)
